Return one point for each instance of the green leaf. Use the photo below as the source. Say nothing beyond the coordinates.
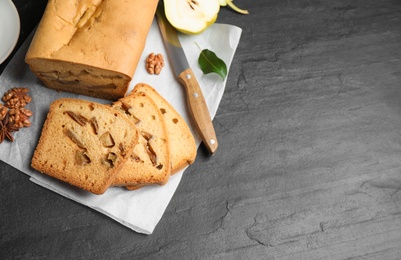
(210, 63)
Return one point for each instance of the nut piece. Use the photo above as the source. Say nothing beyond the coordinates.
(151, 153)
(129, 110)
(107, 140)
(95, 125)
(13, 115)
(110, 159)
(154, 63)
(146, 135)
(19, 117)
(77, 118)
(16, 97)
(81, 158)
(73, 136)
(122, 149)
(3, 111)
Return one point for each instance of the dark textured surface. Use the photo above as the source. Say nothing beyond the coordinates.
(309, 163)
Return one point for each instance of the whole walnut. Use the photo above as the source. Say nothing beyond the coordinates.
(154, 63)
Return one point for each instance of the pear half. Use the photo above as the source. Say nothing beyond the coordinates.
(191, 16)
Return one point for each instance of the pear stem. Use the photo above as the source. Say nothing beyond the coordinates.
(236, 8)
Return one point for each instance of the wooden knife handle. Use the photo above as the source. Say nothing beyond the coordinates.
(198, 109)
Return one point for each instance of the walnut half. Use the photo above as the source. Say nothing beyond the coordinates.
(154, 63)
(16, 98)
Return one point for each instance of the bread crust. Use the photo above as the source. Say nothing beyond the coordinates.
(90, 47)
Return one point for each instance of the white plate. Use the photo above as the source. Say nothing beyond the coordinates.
(9, 28)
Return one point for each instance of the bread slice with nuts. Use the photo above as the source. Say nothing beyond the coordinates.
(183, 147)
(150, 162)
(182, 143)
(84, 144)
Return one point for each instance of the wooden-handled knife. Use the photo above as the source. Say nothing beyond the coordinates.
(196, 102)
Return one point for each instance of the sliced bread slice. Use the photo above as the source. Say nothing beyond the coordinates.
(182, 143)
(150, 162)
(84, 144)
(183, 147)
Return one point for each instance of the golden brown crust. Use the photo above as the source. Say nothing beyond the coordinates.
(90, 47)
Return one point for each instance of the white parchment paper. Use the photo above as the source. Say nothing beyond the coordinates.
(139, 210)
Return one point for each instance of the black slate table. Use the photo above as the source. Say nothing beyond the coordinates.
(309, 163)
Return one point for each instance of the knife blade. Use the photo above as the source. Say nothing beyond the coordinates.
(195, 100)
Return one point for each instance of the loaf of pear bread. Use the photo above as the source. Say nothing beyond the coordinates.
(90, 47)
(150, 161)
(84, 144)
